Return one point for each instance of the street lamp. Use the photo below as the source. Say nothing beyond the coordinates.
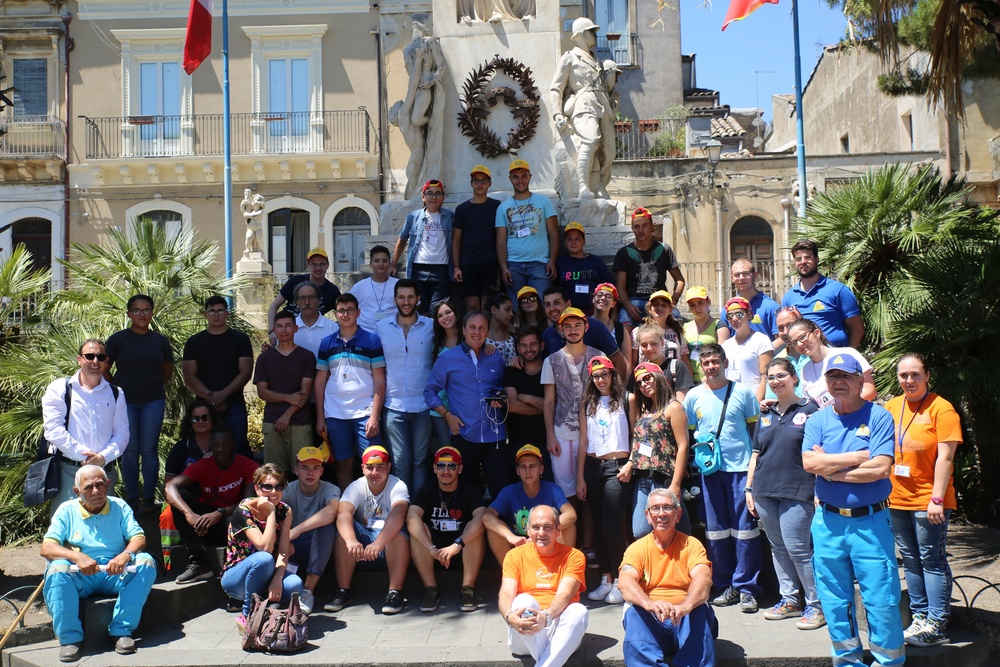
(713, 149)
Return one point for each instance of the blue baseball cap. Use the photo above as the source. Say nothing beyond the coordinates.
(845, 363)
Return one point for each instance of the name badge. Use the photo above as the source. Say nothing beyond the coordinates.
(646, 450)
(380, 315)
(448, 526)
(695, 355)
(291, 568)
(901, 470)
(583, 289)
(522, 232)
(376, 524)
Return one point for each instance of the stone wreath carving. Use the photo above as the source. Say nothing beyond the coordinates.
(477, 101)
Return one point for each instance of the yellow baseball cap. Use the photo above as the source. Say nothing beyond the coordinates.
(528, 450)
(574, 227)
(572, 312)
(310, 454)
(661, 294)
(481, 169)
(317, 251)
(519, 164)
(695, 292)
(527, 290)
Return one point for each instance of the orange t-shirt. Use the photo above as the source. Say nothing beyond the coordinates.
(540, 575)
(665, 574)
(936, 422)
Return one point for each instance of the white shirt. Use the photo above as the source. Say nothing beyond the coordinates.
(369, 508)
(97, 422)
(744, 359)
(814, 375)
(407, 363)
(433, 247)
(310, 337)
(377, 301)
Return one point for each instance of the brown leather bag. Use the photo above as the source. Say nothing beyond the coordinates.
(275, 630)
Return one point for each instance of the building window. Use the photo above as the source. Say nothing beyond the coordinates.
(845, 143)
(906, 131)
(288, 241)
(31, 87)
(170, 221)
(615, 40)
(288, 96)
(35, 234)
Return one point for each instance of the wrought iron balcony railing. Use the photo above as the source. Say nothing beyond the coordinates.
(25, 137)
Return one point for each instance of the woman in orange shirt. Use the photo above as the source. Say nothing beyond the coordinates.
(923, 497)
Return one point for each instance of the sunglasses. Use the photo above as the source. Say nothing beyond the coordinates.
(268, 488)
(446, 466)
(90, 356)
(202, 418)
(736, 315)
(527, 299)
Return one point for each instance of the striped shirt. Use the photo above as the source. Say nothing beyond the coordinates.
(350, 388)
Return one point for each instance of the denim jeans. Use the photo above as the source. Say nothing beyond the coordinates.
(641, 487)
(409, 436)
(235, 418)
(787, 522)
(925, 563)
(347, 437)
(144, 423)
(253, 575)
(433, 283)
(527, 273)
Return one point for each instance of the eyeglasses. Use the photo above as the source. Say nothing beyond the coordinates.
(434, 195)
(603, 294)
(742, 274)
(446, 466)
(527, 299)
(482, 181)
(307, 297)
(141, 311)
(202, 418)
(657, 510)
(801, 339)
(216, 312)
(268, 488)
(346, 311)
(90, 356)
(601, 377)
(736, 315)
(319, 265)
(778, 377)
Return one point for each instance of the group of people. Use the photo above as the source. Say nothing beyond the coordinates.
(560, 412)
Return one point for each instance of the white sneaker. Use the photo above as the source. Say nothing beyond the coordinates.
(601, 591)
(306, 601)
(615, 596)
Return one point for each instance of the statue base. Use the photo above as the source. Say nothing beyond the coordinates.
(592, 212)
(255, 263)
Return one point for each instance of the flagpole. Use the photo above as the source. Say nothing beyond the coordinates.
(227, 148)
(799, 125)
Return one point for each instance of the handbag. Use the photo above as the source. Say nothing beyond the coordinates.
(42, 482)
(707, 450)
(272, 629)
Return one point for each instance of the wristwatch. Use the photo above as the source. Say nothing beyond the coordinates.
(460, 542)
(131, 555)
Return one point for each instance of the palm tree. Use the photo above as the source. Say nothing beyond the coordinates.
(177, 271)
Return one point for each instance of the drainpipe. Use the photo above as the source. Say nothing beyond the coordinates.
(377, 32)
(67, 46)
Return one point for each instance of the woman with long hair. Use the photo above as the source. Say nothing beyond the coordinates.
(529, 309)
(501, 311)
(748, 351)
(447, 318)
(259, 545)
(780, 493)
(195, 441)
(649, 336)
(809, 340)
(928, 431)
(606, 312)
(660, 311)
(659, 444)
(604, 451)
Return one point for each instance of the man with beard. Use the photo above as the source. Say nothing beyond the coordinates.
(825, 301)
(527, 230)
(408, 344)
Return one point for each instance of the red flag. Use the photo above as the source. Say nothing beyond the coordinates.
(198, 42)
(740, 9)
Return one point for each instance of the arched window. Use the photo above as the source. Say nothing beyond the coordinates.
(351, 228)
(170, 221)
(752, 237)
(35, 234)
(288, 240)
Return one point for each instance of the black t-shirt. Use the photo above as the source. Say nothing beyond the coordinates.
(645, 270)
(778, 441)
(447, 513)
(138, 360)
(525, 429)
(182, 454)
(218, 357)
(328, 294)
(479, 235)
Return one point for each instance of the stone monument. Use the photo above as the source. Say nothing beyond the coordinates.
(253, 260)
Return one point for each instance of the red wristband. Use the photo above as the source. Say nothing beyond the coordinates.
(937, 501)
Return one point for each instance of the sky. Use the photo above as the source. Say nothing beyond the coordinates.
(761, 43)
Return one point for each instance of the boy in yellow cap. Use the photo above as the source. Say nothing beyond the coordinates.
(527, 232)
(474, 241)
(578, 271)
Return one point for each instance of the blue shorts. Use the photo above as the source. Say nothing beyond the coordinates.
(366, 536)
(347, 437)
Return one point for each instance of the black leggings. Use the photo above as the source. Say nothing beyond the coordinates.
(610, 503)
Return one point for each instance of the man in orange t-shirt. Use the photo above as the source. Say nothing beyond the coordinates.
(540, 593)
(665, 578)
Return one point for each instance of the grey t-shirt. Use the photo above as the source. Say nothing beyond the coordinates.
(304, 506)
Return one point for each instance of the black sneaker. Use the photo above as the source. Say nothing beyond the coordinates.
(726, 598)
(195, 572)
(233, 605)
(469, 599)
(432, 599)
(393, 602)
(341, 599)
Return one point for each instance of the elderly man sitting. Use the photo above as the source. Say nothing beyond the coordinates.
(99, 536)
(665, 578)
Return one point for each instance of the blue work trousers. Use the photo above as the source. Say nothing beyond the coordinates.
(650, 643)
(731, 531)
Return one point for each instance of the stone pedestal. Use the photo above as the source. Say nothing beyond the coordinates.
(254, 264)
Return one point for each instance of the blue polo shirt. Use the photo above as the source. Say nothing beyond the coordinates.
(704, 410)
(778, 443)
(827, 304)
(102, 535)
(871, 429)
(765, 316)
(467, 379)
(350, 387)
(597, 335)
